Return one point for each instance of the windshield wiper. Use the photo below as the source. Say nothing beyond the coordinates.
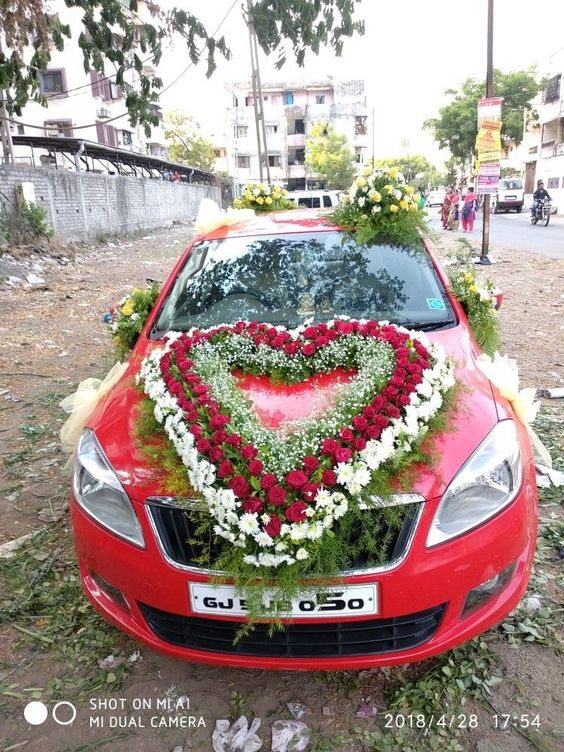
(426, 326)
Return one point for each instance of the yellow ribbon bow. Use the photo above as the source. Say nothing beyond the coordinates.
(81, 404)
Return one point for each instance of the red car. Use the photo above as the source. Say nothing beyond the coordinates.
(459, 556)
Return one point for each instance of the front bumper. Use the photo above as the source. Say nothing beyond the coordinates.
(428, 589)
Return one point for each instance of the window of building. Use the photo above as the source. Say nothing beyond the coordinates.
(219, 153)
(249, 101)
(265, 98)
(359, 154)
(296, 127)
(58, 128)
(553, 183)
(270, 129)
(274, 160)
(52, 82)
(288, 97)
(296, 156)
(127, 138)
(106, 134)
(320, 99)
(360, 125)
(243, 161)
(116, 92)
(552, 91)
(241, 131)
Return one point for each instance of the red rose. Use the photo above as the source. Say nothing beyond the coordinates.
(396, 381)
(346, 434)
(296, 512)
(393, 411)
(267, 481)
(389, 391)
(225, 468)
(296, 479)
(369, 412)
(372, 432)
(309, 491)
(310, 332)
(321, 341)
(329, 446)
(253, 505)
(310, 464)
(360, 423)
(277, 343)
(240, 487)
(233, 440)
(329, 478)
(200, 389)
(308, 349)
(255, 467)
(292, 348)
(249, 452)
(273, 526)
(219, 421)
(359, 444)
(218, 437)
(343, 454)
(381, 421)
(403, 400)
(202, 445)
(216, 454)
(378, 402)
(196, 430)
(331, 335)
(276, 495)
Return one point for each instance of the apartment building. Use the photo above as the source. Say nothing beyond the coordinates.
(550, 153)
(76, 99)
(290, 110)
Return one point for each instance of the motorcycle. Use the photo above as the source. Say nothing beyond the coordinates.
(541, 212)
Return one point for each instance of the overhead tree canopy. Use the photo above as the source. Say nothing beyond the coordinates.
(329, 157)
(29, 32)
(456, 127)
(184, 143)
(415, 168)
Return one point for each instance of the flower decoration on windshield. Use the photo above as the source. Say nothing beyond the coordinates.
(478, 300)
(127, 319)
(380, 204)
(283, 498)
(262, 198)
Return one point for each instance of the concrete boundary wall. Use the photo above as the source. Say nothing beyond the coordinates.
(82, 205)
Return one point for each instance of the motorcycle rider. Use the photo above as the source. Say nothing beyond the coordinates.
(539, 196)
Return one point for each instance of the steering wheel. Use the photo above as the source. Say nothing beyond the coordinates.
(263, 300)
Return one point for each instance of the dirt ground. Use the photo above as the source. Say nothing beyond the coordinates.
(52, 336)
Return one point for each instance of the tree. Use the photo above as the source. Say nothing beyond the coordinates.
(329, 157)
(184, 143)
(456, 127)
(114, 39)
(416, 169)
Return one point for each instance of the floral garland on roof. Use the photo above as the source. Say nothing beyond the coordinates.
(380, 203)
(275, 497)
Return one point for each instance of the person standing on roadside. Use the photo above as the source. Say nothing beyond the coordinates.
(445, 208)
(468, 212)
(454, 210)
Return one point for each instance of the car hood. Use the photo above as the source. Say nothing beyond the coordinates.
(475, 414)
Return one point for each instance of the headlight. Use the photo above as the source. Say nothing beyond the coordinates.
(99, 492)
(486, 483)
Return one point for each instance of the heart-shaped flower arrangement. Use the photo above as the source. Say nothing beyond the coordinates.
(274, 494)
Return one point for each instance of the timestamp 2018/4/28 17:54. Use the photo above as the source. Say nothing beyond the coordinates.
(460, 720)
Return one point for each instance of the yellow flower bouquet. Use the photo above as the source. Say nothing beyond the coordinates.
(379, 203)
(262, 197)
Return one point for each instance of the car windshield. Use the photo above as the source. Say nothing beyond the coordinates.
(511, 185)
(288, 279)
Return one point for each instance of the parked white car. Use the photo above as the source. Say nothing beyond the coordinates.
(436, 198)
(315, 199)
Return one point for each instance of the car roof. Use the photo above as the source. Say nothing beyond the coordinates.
(275, 223)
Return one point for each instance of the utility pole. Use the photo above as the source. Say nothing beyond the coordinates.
(257, 98)
(489, 93)
(5, 133)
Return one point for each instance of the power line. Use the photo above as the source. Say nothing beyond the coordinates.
(124, 114)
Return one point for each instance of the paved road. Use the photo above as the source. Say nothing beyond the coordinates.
(514, 231)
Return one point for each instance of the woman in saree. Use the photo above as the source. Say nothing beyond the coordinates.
(468, 212)
(445, 208)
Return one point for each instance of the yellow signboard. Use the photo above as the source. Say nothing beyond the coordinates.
(488, 138)
(489, 156)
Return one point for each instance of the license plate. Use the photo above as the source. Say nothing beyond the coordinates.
(347, 601)
(511, 198)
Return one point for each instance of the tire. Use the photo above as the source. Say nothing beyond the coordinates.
(534, 220)
(546, 217)
(519, 209)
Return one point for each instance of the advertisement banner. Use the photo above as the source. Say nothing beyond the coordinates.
(488, 178)
(488, 138)
(489, 109)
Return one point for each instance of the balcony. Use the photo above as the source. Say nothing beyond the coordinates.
(297, 140)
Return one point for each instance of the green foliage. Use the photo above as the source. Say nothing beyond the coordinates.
(378, 205)
(184, 143)
(416, 169)
(127, 320)
(328, 156)
(478, 306)
(456, 126)
(25, 223)
(114, 41)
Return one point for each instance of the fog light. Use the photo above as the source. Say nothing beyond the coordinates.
(112, 592)
(487, 590)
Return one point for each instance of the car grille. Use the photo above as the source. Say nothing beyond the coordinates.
(328, 640)
(175, 525)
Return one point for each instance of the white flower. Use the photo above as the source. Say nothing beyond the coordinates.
(345, 473)
(301, 554)
(263, 539)
(376, 208)
(248, 523)
(361, 201)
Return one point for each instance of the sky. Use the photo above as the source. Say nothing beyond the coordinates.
(411, 52)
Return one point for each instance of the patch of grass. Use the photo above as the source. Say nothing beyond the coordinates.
(43, 602)
(34, 432)
(51, 400)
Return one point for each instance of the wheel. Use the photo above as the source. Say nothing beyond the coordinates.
(545, 216)
(534, 220)
(519, 209)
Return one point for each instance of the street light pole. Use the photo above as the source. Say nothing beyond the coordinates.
(489, 93)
